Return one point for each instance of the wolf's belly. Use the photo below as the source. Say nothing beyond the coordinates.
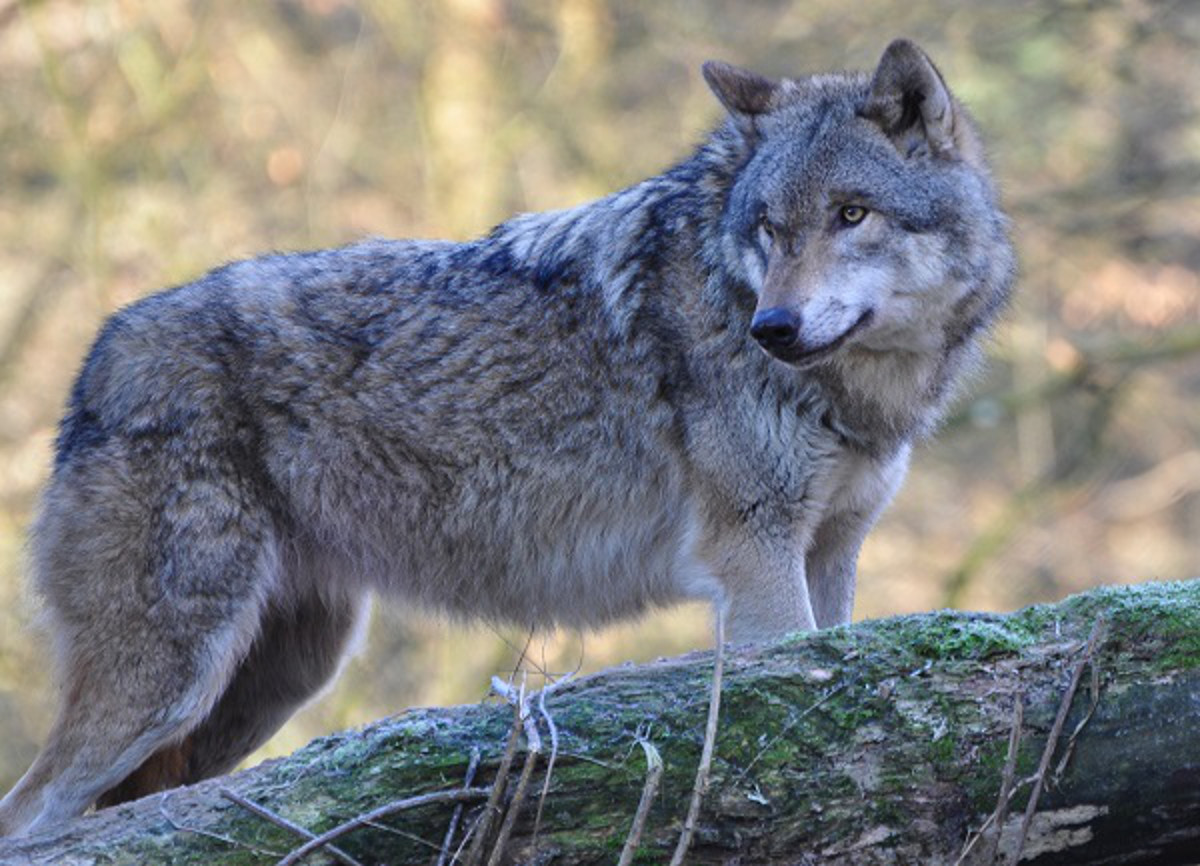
(559, 545)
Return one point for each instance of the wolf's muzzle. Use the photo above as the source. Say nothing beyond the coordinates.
(776, 329)
(778, 333)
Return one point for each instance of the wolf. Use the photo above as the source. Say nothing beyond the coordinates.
(705, 386)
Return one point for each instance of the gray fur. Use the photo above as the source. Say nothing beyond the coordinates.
(563, 423)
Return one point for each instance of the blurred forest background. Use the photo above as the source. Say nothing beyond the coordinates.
(142, 143)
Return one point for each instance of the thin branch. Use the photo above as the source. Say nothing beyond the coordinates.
(654, 771)
(184, 828)
(514, 808)
(1064, 708)
(291, 827)
(520, 699)
(710, 740)
(467, 837)
(553, 729)
(1007, 782)
(974, 839)
(404, 834)
(458, 795)
(1061, 768)
(791, 723)
(472, 767)
(484, 825)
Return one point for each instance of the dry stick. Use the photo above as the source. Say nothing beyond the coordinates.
(553, 729)
(654, 771)
(1064, 707)
(280, 821)
(472, 766)
(520, 700)
(184, 828)
(467, 837)
(1070, 749)
(484, 825)
(403, 834)
(1007, 782)
(710, 740)
(832, 693)
(458, 795)
(514, 808)
(975, 837)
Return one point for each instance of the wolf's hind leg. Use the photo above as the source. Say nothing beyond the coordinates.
(299, 649)
(155, 591)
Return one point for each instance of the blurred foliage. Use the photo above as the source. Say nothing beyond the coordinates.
(142, 143)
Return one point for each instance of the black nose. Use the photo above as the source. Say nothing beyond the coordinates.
(776, 328)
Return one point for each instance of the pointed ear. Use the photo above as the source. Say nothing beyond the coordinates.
(744, 94)
(910, 102)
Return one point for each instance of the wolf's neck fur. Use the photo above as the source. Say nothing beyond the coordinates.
(897, 396)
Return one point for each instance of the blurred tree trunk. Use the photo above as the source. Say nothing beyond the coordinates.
(885, 742)
(463, 105)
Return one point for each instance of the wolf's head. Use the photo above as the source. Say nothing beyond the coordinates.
(861, 212)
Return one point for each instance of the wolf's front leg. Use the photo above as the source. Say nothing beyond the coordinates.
(762, 586)
(831, 568)
(831, 563)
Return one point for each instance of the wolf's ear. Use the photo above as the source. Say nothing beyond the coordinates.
(744, 94)
(911, 103)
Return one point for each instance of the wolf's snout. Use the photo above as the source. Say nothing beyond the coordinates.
(775, 328)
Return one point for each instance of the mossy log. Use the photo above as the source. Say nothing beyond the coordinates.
(884, 742)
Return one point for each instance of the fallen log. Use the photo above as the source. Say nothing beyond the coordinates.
(890, 741)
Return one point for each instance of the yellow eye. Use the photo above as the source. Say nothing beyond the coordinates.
(853, 214)
(765, 224)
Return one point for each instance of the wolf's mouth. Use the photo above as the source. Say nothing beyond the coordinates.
(798, 355)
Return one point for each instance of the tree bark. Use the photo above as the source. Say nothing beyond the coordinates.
(884, 742)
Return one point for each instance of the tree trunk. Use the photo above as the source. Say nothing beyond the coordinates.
(885, 742)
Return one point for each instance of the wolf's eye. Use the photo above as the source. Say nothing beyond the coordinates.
(767, 227)
(853, 214)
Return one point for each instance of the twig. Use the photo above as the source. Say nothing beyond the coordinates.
(1007, 785)
(522, 655)
(520, 699)
(484, 825)
(588, 759)
(514, 808)
(458, 795)
(654, 771)
(280, 821)
(841, 687)
(472, 767)
(974, 838)
(1064, 707)
(1070, 749)
(710, 739)
(184, 828)
(553, 729)
(467, 837)
(403, 834)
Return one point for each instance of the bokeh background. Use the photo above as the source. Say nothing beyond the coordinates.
(144, 142)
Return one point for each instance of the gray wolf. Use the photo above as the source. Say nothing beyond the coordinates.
(706, 385)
